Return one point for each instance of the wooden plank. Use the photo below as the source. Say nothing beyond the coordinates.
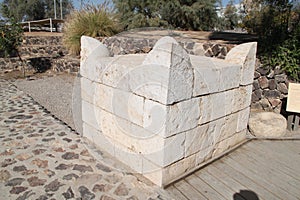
(224, 178)
(262, 174)
(290, 122)
(253, 186)
(203, 187)
(279, 164)
(187, 190)
(176, 193)
(217, 185)
(276, 152)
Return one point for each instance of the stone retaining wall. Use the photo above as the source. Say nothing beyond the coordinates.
(166, 112)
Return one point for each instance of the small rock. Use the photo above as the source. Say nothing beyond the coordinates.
(48, 139)
(103, 167)
(267, 124)
(62, 134)
(282, 88)
(263, 82)
(63, 166)
(15, 182)
(38, 151)
(272, 84)
(132, 198)
(26, 195)
(42, 197)
(59, 149)
(70, 156)
(23, 156)
(40, 163)
(70, 176)
(102, 188)
(67, 140)
(85, 153)
(69, 194)
(85, 193)
(121, 190)
(271, 94)
(19, 168)
(18, 190)
(83, 168)
(105, 197)
(53, 186)
(49, 173)
(23, 117)
(8, 162)
(74, 146)
(280, 78)
(29, 172)
(35, 181)
(7, 152)
(4, 175)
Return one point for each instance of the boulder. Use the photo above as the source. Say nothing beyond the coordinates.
(267, 124)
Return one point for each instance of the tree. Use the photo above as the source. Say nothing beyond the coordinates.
(27, 10)
(231, 16)
(11, 35)
(184, 14)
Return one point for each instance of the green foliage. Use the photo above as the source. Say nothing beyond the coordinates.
(276, 22)
(33, 9)
(231, 16)
(11, 35)
(93, 21)
(183, 14)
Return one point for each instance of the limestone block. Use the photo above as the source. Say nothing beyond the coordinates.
(151, 82)
(244, 55)
(229, 77)
(206, 76)
(203, 155)
(229, 101)
(169, 120)
(242, 98)
(230, 142)
(87, 90)
(203, 137)
(267, 124)
(170, 71)
(243, 119)
(92, 52)
(90, 114)
(153, 172)
(99, 139)
(121, 103)
(129, 157)
(229, 127)
(170, 173)
(118, 70)
(212, 107)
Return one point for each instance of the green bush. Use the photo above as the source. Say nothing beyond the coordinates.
(93, 21)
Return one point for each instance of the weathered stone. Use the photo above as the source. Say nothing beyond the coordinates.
(85, 193)
(70, 156)
(40, 163)
(7, 162)
(53, 186)
(29, 172)
(275, 102)
(121, 190)
(267, 124)
(19, 168)
(15, 182)
(281, 78)
(272, 84)
(38, 151)
(7, 152)
(24, 156)
(282, 88)
(4, 175)
(103, 167)
(263, 82)
(263, 70)
(22, 117)
(265, 104)
(63, 166)
(82, 168)
(69, 194)
(105, 197)
(26, 195)
(70, 176)
(258, 93)
(254, 98)
(255, 85)
(271, 94)
(34, 181)
(18, 189)
(49, 172)
(102, 188)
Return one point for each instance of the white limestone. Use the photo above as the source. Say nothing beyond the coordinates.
(244, 55)
(166, 112)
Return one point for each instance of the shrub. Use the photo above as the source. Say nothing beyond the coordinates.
(93, 21)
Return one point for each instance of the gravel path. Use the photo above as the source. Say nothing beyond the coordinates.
(58, 94)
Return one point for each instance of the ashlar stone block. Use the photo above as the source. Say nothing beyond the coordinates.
(244, 55)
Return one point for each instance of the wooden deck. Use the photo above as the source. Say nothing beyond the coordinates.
(260, 169)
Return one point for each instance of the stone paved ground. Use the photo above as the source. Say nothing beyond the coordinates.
(41, 158)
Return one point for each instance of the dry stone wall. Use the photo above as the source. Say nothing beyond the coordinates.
(166, 112)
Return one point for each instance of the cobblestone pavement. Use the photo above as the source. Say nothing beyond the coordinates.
(41, 158)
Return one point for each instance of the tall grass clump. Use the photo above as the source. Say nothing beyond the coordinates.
(93, 21)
